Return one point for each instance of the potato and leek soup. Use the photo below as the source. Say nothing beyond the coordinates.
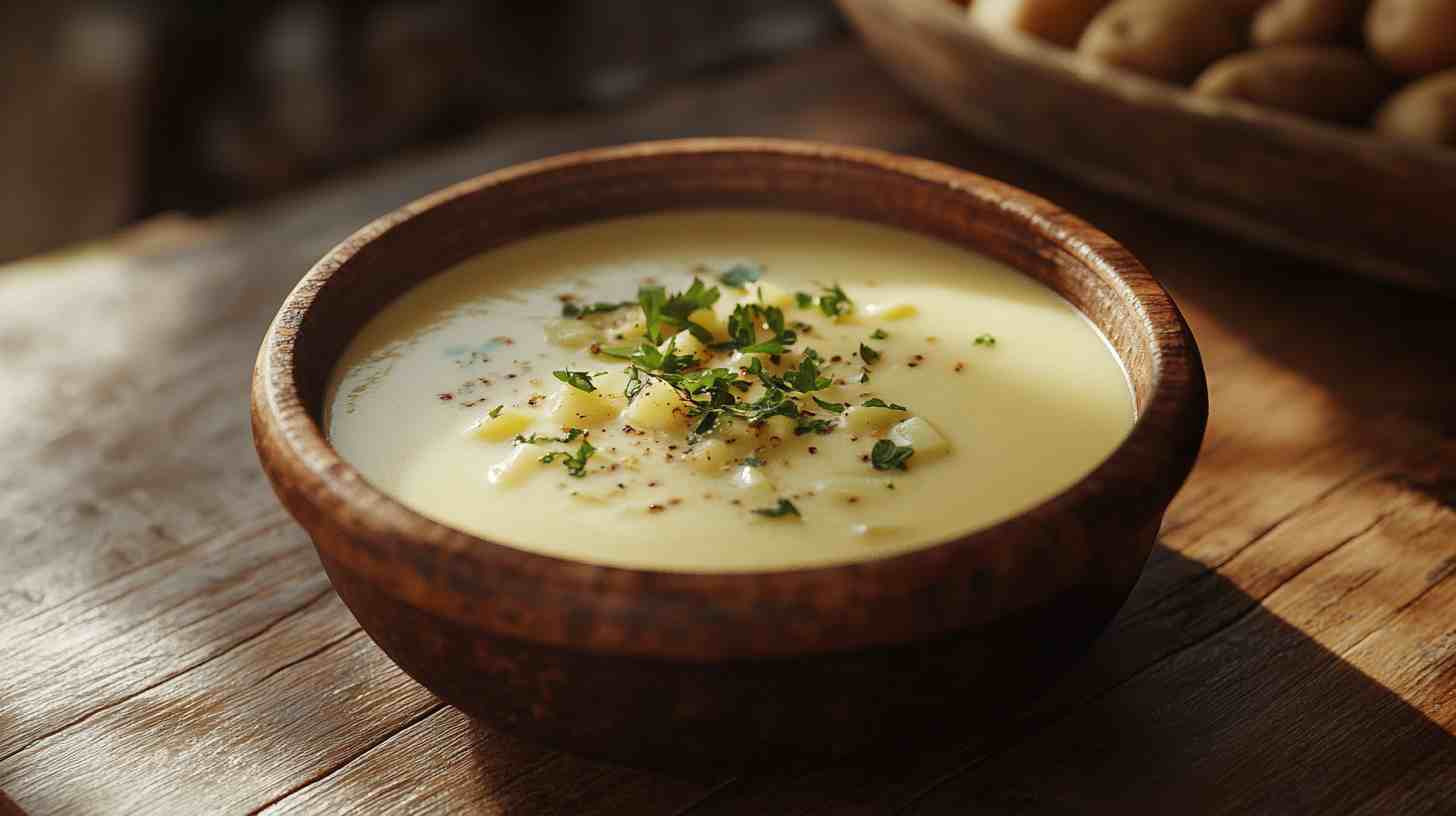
(722, 391)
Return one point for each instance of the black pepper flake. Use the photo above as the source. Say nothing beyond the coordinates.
(674, 501)
(959, 367)
(813, 450)
(655, 508)
(836, 359)
(652, 484)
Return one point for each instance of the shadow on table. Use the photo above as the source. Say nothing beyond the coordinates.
(1244, 714)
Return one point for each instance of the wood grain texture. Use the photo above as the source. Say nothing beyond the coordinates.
(1347, 198)
(1289, 649)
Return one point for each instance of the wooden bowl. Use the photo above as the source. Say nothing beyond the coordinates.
(678, 668)
(1341, 196)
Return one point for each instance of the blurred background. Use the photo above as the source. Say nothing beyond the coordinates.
(113, 111)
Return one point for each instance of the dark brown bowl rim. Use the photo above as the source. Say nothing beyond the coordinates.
(1158, 452)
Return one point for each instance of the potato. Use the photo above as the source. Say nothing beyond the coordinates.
(862, 420)
(1056, 21)
(770, 295)
(571, 333)
(1413, 37)
(1325, 82)
(504, 425)
(1167, 39)
(657, 408)
(575, 408)
(1424, 111)
(897, 310)
(523, 461)
(1311, 22)
(922, 436)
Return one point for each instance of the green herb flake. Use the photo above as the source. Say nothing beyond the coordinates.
(575, 464)
(753, 461)
(886, 455)
(784, 508)
(831, 407)
(572, 434)
(834, 302)
(804, 300)
(818, 426)
(495, 412)
(576, 379)
(879, 334)
(876, 402)
(740, 275)
(869, 355)
(601, 307)
(986, 340)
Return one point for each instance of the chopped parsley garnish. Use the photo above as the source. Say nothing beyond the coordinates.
(658, 309)
(753, 461)
(834, 302)
(806, 377)
(578, 312)
(876, 402)
(804, 299)
(743, 327)
(831, 407)
(495, 412)
(869, 355)
(740, 275)
(818, 426)
(986, 340)
(651, 358)
(576, 379)
(572, 434)
(575, 464)
(784, 508)
(879, 334)
(886, 455)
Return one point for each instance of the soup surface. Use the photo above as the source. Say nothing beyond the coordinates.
(827, 391)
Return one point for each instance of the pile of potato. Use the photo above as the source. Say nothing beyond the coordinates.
(1389, 64)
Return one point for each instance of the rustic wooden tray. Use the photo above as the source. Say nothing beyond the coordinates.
(1333, 194)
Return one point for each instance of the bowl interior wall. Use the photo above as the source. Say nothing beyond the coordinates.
(433, 240)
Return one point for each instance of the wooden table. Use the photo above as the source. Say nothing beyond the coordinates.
(169, 644)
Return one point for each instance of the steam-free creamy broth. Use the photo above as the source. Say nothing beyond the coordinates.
(829, 391)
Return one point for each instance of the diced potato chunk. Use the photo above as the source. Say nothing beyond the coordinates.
(922, 436)
(708, 319)
(890, 311)
(523, 461)
(575, 408)
(864, 420)
(658, 408)
(770, 295)
(627, 330)
(571, 333)
(612, 386)
(715, 455)
(503, 426)
(683, 343)
(777, 426)
(752, 480)
(851, 487)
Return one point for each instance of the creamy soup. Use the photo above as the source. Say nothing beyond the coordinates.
(727, 391)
